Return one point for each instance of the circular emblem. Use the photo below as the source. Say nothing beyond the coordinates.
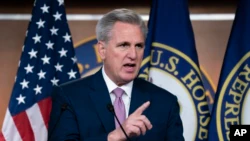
(177, 73)
(232, 107)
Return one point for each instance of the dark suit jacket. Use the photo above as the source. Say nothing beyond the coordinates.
(85, 116)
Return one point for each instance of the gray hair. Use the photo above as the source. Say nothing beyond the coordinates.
(106, 23)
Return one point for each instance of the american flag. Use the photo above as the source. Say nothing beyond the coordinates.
(47, 60)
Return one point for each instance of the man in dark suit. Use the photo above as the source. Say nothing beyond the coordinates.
(146, 112)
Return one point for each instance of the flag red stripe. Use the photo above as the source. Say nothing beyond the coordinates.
(45, 108)
(23, 126)
(2, 137)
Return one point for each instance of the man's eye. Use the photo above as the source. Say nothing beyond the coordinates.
(124, 45)
(139, 46)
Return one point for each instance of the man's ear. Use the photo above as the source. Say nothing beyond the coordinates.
(101, 49)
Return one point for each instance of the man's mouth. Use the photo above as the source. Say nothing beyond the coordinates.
(130, 67)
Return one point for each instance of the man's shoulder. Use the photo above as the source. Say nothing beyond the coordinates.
(78, 82)
(155, 90)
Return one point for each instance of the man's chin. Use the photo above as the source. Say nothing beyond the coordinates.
(128, 78)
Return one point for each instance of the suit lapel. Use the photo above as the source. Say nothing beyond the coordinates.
(138, 96)
(101, 98)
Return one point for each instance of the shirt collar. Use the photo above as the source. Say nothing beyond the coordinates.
(111, 85)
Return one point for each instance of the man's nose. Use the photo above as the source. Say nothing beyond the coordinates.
(132, 53)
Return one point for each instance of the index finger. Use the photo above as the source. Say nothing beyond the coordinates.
(142, 108)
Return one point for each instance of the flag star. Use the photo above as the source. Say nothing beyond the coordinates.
(41, 74)
(60, 2)
(63, 52)
(25, 84)
(23, 47)
(53, 31)
(32, 53)
(20, 99)
(45, 8)
(38, 89)
(49, 45)
(29, 69)
(19, 63)
(26, 33)
(74, 59)
(58, 67)
(72, 74)
(40, 23)
(37, 39)
(35, 3)
(15, 78)
(67, 37)
(57, 16)
(54, 81)
(45, 59)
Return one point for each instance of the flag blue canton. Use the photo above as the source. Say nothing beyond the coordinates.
(47, 59)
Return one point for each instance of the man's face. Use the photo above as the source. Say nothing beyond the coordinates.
(122, 54)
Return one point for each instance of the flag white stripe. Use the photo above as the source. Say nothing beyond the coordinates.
(37, 123)
(9, 129)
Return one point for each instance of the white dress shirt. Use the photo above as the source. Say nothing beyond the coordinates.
(126, 97)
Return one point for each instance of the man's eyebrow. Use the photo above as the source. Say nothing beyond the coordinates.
(128, 43)
(140, 43)
(123, 42)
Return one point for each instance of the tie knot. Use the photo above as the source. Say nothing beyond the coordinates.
(118, 92)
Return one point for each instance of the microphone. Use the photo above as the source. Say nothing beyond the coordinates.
(64, 107)
(112, 110)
